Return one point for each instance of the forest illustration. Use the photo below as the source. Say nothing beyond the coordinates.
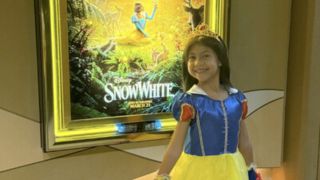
(125, 55)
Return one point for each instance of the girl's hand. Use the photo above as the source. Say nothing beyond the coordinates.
(155, 3)
(259, 177)
(146, 34)
(254, 175)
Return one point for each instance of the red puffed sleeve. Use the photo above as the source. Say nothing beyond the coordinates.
(187, 112)
(182, 107)
(244, 109)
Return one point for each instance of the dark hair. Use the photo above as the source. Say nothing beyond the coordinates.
(138, 7)
(219, 48)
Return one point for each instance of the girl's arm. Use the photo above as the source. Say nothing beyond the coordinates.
(138, 26)
(135, 21)
(245, 145)
(175, 148)
(153, 12)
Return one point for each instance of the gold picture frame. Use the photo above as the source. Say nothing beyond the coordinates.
(58, 130)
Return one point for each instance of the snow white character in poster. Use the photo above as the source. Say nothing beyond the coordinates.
(124, 55)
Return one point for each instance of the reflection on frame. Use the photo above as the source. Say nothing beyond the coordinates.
(110, 68)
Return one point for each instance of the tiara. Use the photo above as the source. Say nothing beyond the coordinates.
(204, 30)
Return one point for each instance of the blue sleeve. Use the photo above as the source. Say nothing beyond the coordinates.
(134, 19)
(152, 15)
(138, 26)
(244, 105)
(242, 97)
(182, 107)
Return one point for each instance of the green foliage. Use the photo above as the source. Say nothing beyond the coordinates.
(127, 60)
(91, 68)
(97, 77)
(85, 75)
(161, 72)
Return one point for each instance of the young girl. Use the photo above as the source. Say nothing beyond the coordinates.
(140, 17)
(211, 113)
(139, 36)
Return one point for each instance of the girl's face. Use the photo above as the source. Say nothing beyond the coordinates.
(139, 8)
(203, 63)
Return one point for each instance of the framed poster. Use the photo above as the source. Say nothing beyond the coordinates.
(108, 69)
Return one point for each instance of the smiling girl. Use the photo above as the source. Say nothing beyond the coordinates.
(211, 139)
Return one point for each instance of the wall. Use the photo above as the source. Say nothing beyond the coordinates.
(302, 111)
(259, 41)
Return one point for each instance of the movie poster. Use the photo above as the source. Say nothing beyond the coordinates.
(125, 55)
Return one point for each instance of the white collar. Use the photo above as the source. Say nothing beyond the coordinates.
(195, 89)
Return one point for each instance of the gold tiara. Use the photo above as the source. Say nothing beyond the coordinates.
(204, 30)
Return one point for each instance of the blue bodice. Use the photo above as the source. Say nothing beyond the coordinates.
(215, 127)
(140, 23)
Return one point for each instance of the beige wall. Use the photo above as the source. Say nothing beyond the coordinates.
(258, 32)
(302, 111)
(18, 70)
(259, 42)
(259, 39)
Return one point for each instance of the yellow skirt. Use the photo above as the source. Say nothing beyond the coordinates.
(214, 167)
(135, 38)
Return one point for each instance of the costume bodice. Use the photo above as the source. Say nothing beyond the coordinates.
(215, 124)
(139, 21)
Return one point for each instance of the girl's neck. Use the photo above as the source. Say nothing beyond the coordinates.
(140, 14)
(214, 90)
(212, 85)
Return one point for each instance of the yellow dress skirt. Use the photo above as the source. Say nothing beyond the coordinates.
(229, 166)
(134, 38)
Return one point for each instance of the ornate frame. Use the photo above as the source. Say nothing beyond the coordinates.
(58, 132)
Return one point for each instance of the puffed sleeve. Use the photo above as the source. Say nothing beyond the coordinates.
(244, 105)
(134, 19)
(182, 107)
(244, 109)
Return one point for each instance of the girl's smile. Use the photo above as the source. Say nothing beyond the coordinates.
(200, 70)
(203, 63)
(211, 113)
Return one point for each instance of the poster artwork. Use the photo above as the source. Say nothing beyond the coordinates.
(125, 55)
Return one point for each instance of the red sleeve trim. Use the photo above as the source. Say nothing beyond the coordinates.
(244, 109)
(187, 112)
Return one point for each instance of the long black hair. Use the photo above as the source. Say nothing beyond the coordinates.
(218, 46)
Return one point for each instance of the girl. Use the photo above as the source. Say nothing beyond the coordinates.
(139, 36)
(140, 17)
(211, 113)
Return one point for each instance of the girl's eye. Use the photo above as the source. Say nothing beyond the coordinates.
(206, 55)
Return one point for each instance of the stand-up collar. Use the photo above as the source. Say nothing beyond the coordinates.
(195, 89)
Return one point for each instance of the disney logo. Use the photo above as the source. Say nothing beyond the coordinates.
(122, 80)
